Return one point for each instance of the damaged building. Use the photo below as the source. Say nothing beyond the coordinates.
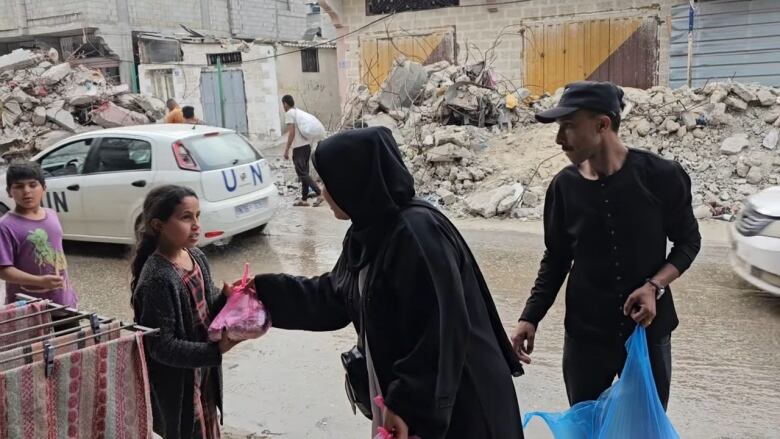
(543, 44)
(102, 34)
(252, 78)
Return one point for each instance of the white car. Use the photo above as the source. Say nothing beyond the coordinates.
(97, 181)
(755, 241)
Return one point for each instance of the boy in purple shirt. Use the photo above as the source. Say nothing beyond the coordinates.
(32, 260)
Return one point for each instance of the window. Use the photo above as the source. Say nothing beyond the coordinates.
(376, 7)
(115, 154)
(227, 58)
(221, 151)
(68, 160)
(310, 60)
(162, 83)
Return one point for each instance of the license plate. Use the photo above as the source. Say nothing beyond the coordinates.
(252, 206)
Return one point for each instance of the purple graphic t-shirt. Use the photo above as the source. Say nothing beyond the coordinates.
(35, 247)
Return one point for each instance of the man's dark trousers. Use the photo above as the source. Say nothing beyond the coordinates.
(590, 367)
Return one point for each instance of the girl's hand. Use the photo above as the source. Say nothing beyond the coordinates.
(227, 289)
(226, 344)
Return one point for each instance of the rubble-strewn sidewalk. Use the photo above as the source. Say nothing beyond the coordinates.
(474, 147)
(43, 101)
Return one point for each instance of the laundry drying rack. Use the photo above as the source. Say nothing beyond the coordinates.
(43, 346)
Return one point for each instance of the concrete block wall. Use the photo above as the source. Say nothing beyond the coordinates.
(476, 28)
(274, 19)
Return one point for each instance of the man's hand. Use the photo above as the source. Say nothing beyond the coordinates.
(50, 282)
(523, 340)
(287, 153)
(395, 425)
(640, 305)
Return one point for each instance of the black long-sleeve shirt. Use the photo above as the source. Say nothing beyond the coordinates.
(610, 235)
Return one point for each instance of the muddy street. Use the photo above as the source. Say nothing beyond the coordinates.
(726, 351)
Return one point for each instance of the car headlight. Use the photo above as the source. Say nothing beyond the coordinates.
(772, 230)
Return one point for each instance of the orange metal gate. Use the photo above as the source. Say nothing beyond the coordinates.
(621, 50)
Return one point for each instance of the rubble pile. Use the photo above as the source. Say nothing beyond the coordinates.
(43, 101)
(475, 148)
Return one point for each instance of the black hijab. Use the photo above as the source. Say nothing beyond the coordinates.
(365, 175)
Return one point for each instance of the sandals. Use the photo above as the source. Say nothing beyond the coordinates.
(318, 201)
(300, 203)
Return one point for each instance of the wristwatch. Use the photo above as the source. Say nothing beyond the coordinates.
(659, 290)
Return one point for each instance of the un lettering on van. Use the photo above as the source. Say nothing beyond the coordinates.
(57, 201)
(230, 178)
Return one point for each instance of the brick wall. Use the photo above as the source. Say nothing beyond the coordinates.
(476, 28)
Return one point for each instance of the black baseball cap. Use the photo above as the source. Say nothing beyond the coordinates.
(601, 97)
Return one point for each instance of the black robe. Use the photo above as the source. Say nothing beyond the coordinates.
(440, 353)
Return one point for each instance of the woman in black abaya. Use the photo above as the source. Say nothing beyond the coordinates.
(436, 349)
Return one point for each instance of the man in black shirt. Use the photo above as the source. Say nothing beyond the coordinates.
(607, 218)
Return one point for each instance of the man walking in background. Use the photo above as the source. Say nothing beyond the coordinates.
(175, 115)
(301, 151)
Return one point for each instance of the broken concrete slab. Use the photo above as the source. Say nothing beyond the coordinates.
(755, 175)
(82, 75)
(81, 95)
(771, 139)
(510, 201)
(62, 118)
(688, 120)
(446, 196)
(644, 127)
(702, 212)
(740, 90)
(110, 115)
(451, 134)
(46, 140)
(447, 152)
(736, 103)
(11, 111)
(719, 94)
(734, 144)
(18, 59)
(766, 98)
(39, 116)
(21, 97)
(56, 74)
(486, 203)
(403, 86)
(154, 108)
(384, 120)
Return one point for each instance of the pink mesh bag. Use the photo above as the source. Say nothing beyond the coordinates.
(243, 317)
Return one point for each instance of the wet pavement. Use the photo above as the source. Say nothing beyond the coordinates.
(726, 352)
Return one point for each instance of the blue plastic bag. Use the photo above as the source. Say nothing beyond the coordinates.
(630, 408)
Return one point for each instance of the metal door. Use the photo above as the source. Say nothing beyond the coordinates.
(621, 50)
(233, 96)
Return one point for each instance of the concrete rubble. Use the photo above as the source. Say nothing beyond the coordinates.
(43, 100)
(474, 147)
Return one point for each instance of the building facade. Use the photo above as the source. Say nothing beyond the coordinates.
(102, 33)
(544, 44)
(246, 94)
